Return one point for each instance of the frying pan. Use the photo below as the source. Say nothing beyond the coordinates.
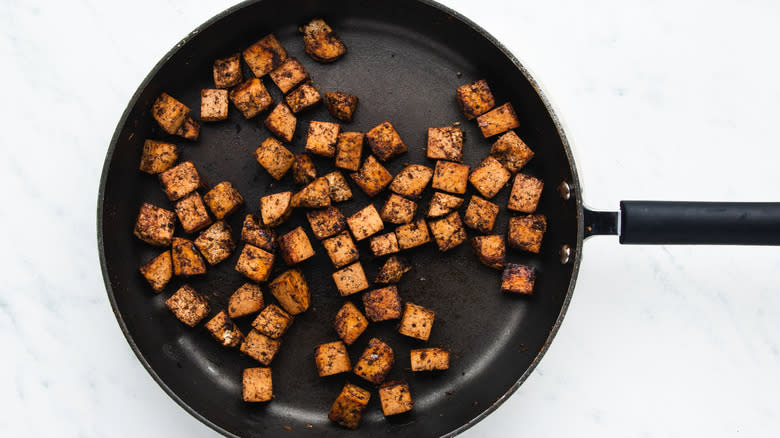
(405, 60)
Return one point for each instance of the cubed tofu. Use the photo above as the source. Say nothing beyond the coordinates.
(511, 152)
(295, 246)
(192, 213)
(316, 194)
(526, 232)
(257, 385)
(384, 244)
(246, 300)
(341, 250)
(188, 305)
(412, 235)
(289, 74)
(448, 232)
(392, 271)
(264, 55)
(384, 141)
(189, 130)
(341, 105)
(339, 189)
(186, 259)
(260, 347)
(350, 323)
(281, 122)
(303, 97)
(429, 359)
(274, 157)
(411, 180)
(489, 177)
(223, 200)
(518, 279)
(321, 138)
(490, 250)
(272, 321)
(365, 223)
(216, 242)
(180, 180)
(251, 98)
(382, 304)
(291, 291)
(416, 322)
(158, 271)
(321, 42)
(158, 156)
(498, 120)
(224, 331)
(398, 210)
(275, 209)
(332, 358)
(303, 169)
(375, 362)
(475, 99)
(351, 279)
(227, 71)
(213, 104)
(155, 225)
(348, 408)
(169, 113)
(349, 149)
(395, 398)
(480, 214)
(372, 177)
(443, 203)
(450, 177)
(254, 232)
(255, 263)
(326, 222)
(445, 143)
(525, 194)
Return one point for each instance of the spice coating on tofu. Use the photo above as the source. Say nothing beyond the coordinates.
(475, 99)
(429, 359)
(295, 246)
(384, 244)
(375, 362)
(349, 323)
(372, 177)
(257, 385)
(443, 203)
(227, 71)
(411, 180)
(382, 304)
(348, 408)
(254, 232)
(481, 214)
(216, 242)
(339, 189)
(213, 105)
(264, 55)
(274, 157)
(498, 120)
(192, 213)
(189, 130)
(303, 169)
(246, 300)
(291, 291)
(416, 322)
(314, 195)
(395, 398)
(321, 42)
(281, 122)
(260, 347)
(365, 223)
(289, 74)
(332, 358)
(303, 97)
(158, 271)
(450, 177)
(341, 249)
(276, 208)
(445, 143)
(321, 138)
(489, 177)
(490, 250)
(518, 279)
(186, 259)
(155, 225)
(398, 210)
(169, 113)
(448, 232)
(392, 271)
(188, 305)
(526, 232)
(384, 141)
(412, 235)
(349, 149)
(180, 180)
(272, 321)
(251, 98)
(350, 280)
(511, 152)
(224, 331)
(326, 222)
(158, 156)
(525, 194)
(255, 263)
(341, 105)
(223, 200)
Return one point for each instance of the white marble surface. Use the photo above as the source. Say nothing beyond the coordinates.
(662, 100)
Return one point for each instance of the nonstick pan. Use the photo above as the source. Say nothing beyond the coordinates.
(405, 60)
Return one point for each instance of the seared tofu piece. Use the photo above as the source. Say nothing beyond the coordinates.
(274, 157)
(475, 99)
(442, 203)
(392, 271)
(216, 243)
(332, 358)
(398, 210)
(251, 98)
(321, 42)
(384, 141)
(155, 225)
(412, 180)
(339, 189)
(227, 71)
(289, 74)
(448, 232)
(480, 214)
(375, 362)
(257, 385)
(341, 250)
(169, 113)
(351, 279)
(192, 213)
(272, 321)
(291, 291)
(281, 122)
(158, 156)
(498, 120)
(445, 143)
(372, 177)
(365, 223)
(525, 194)
(255, 263)
(276, 208)
(341, 105)
(186, 259)
(264, 55)
(257, 234)
(158, 271)
(395, 398)
(348, 408)
(246, 300)
(490, 250)
(326, 222)
(321, 138)
(384, 244)
(314, 195)
(526, 232)
(189, 130)
(511, 152)
(188, 305)
(223, 200)
(350, 323)
(260, 347)
(450, 177)
(382, 304)
(224, 331)
(213, 105)
(180, 180)
(303, 97)
(416, 322)
(349, 148)
(295, 246)
(412, 235)
(518, 279)
(489, 177)
(429, 359)
(303, 169)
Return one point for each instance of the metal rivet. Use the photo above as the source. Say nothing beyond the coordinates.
(565, 254)
(564, 190)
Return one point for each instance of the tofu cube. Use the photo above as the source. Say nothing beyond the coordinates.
(398, 210)
(275, 208)
(257, 385)
(155, 225)
(260, 347)
(475, 99)
(384, 244)
(291, 291)
(227, 71)
(365, 223)
(341, 105)
(158, 156)
(326, 222)
(223, 200)
(295, 246)
(189, 130)
(272, 321)
(303, 169)
(303, 97)
(158, 271)
(255, 263)
(332, 358)
(350, 323)
(289, 74)
(518, 279)
(213, 105)
(375, 362)
(416, 322)
(382, 304)
(314, 195)
(443, 203)
(445, 143)
(257, 234)
(480, 214)
(349, 149)
(321, 138)
(350, 280)
(188, 305)
(429, 359)
(392, 271)
(372, 177)
(348, 408)
(281, 122)
(246, 300)
(251, 98)
(186, 259)
(498, 120)
(411, 180)
(489, 177)
(511, 152)
(341, 250)
(321, 42)
(192, 213)
(490, 250)
(448, 232)
(412, 235)
(264, 55)
(216, 243)
(339, 189)
(224, 331)
(274, 157)
(526, 232)
(169, 113)
(395, 398)
(384, 141)
(525, 194)
(450, 177)
(180, 180)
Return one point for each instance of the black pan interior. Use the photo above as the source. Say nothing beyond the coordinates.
(405, 60)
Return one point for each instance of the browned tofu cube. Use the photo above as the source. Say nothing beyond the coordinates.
(190, 129)
(384, 141)
(398, 210)
(158, 271)
(448, 232)
(384, 244)
(180, 180)
(169, 113)
(260, 347)
(429, 359)
(365, 223)
(332, 358)
(445, 143)
(303, 97)
(274, 157)
(289, 74)
(490, 250)
(350, 323)
(213, 105)
(227, 71)
(303, 169)
(223, 200)
(281, 122)
(412, 180)
(351, 279)
(349, 149)
(314, 195)
(192, 213)
(272, 321)
(382, 304)
(255, 263)
(264, 55)
(257, 234)
(257, 385)
(295, 246)
(416, 322)
(158, 156)
(348, 408)
(155, 225)
(526, 232)
(372, 177)
(341, 250)
(321, 138)
(395, 398)
(292, 291)
(341, 105)
(525, 194)
(216, 243)
(511, 152)
(498, 120)
(188, 305)
(412, 235)
(339, 189)
(321, 42)
(392, 271)
(450, 177)
(375, 362)
(480, 214)
(276, 208)
(224, 331)
(475, 99)
(518, 279)
(489, 177)
(443, 203)
(186, 259)
(246, 300)
(326, 222)
(251, 98)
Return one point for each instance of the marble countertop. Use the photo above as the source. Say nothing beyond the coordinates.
(662, 100)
